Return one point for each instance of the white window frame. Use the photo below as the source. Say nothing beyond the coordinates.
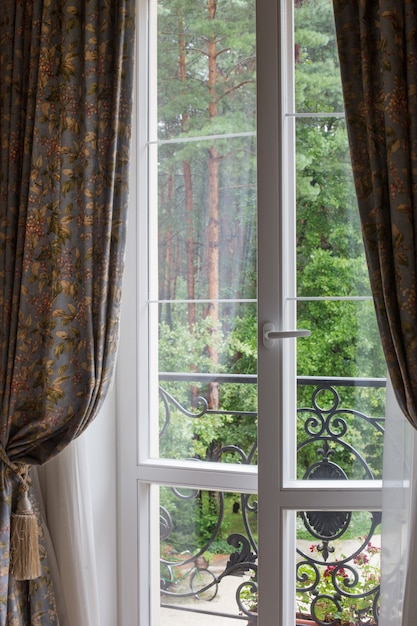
(137, 470)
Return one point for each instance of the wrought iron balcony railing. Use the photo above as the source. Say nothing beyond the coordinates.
(337, 552)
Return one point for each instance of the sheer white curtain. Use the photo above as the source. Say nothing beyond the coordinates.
(410, 593)
(77, 491)
(65, 496)
(399, 547)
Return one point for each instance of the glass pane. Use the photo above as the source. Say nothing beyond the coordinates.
(340, 369)
(341, 405)
(344, 340)
(208, 411)
(204, 300)
(207, 220)
(206, 68)
(317, 77)
(208, 557)
(330, 252)
(338, 567)
(336, 440)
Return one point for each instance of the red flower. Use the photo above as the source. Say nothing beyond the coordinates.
(361, 559)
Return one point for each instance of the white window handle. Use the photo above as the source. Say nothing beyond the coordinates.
(269, 334)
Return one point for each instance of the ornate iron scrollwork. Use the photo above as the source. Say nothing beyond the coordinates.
(324, 574)
(325, 525)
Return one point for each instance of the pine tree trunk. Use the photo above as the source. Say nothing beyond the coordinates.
(213, 203)
(189, 205)
(188, 184)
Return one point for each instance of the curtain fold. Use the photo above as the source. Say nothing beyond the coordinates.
(59, 594)
(378, 57)
(65, 487)
(66, 72)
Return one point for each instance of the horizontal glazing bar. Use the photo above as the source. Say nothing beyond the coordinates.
(161, 142)
(252, 379)
(206, 301)
(315, 115)
(328, 298)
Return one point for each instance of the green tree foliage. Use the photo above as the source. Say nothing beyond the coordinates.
(206, 89)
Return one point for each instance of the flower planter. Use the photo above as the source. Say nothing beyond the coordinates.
(300, 620)
(304, 620)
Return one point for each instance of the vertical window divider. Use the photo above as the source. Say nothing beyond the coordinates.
(272, 589)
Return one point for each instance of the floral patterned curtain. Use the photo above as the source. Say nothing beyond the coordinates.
(378, 55)
(65, 112)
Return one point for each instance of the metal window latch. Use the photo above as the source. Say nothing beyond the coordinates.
(269, 334)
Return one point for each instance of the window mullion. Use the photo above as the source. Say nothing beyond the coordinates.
(272, 588)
